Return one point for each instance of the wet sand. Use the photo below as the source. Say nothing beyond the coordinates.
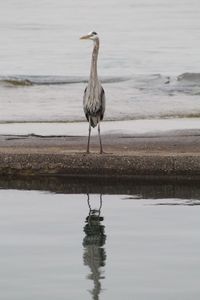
(165, 153)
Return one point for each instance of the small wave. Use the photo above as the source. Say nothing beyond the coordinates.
(17, 82)
(155, 81)
(186, 84)
(193, 77)
(152, 84)
(28, 80)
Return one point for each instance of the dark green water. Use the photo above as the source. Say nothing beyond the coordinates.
(106, 239)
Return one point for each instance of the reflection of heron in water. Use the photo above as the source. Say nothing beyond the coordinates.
(94, 254)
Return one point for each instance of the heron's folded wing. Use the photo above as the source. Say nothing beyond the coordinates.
(84, 103)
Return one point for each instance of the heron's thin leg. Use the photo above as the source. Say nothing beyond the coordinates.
(88, 201)
(100, 202)
(101, 148)
(88, 145)
(100, 197)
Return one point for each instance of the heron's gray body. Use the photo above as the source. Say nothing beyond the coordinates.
(94, 106)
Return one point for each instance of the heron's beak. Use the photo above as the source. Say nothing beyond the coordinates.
(85, 37)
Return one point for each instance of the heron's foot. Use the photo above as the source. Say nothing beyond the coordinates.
(103, 152)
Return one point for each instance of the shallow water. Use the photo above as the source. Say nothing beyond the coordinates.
(149, 58)
(140, 242)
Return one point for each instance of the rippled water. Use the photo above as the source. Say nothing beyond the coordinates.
(149, 58)
(99, 240)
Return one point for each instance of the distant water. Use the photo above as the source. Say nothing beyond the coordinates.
(149, 58)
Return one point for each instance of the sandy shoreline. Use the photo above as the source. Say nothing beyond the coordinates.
(165, 152)
(127, 127)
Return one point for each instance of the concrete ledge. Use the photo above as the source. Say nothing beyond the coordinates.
(98, 165)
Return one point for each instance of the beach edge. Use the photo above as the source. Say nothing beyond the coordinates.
(112, 165)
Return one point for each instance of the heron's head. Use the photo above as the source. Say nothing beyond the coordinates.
(90, 36)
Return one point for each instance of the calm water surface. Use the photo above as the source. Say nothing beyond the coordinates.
(100, 246)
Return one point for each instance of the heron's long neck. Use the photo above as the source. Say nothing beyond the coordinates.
(93, 70)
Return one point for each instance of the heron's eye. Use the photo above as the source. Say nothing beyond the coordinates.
(94, 33)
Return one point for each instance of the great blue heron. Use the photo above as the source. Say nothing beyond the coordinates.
(94, 96)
